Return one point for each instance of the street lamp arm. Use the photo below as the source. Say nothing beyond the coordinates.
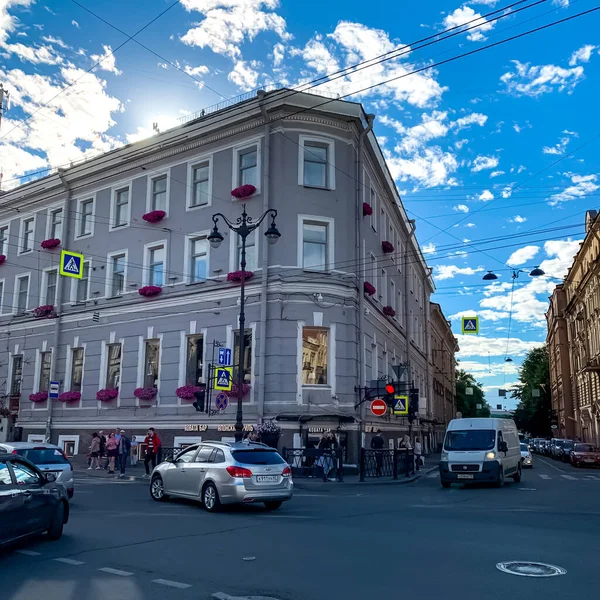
(245, 224)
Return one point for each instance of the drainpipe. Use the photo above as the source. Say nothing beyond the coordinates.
(360, 274)
(406, 301)
(66, 234)
(428, 353)
(264, 283)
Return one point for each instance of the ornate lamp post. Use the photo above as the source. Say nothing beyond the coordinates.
(244, 226)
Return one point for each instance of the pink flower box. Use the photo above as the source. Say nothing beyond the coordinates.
(187, 392)
(154, 216)
(107, 395)
(369, 288)
(39, 397)
(70, 397)
(44, 311)
(51, 243)
(150, 290)
(244, 191)
(387, 247)
(237, 275)
(145, 393)
(367, 209)
(234, 393)
(388, 311)
(2, 258)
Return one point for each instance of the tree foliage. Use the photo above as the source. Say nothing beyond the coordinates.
(534, 413)
(467, 404)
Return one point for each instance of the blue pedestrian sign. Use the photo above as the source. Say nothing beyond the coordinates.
(221, 401)
(470, 325)
(53, 391)
(71, 264)
(225, 356)
(223, 379)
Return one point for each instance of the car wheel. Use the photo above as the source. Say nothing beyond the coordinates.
(500, 481)
(273, 505)
(518, 474)
(157, 489)
(210, 498)
(445, 484)
(55, 530)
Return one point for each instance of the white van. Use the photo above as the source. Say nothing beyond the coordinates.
(480, 450)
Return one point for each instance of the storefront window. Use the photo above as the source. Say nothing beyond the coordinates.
(314, 355)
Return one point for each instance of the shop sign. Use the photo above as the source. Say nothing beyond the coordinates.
(232, 427)
(319, 429)
(195, 427)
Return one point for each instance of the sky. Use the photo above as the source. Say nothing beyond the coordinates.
(494, 149)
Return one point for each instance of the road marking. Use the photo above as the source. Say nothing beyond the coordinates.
(69, 561)
(29, 552)
(551, 465)
(432, 475)
(173, 584)
(544, 476)
(569, 477)
(222, 596)
(115, 572)
(287, 517)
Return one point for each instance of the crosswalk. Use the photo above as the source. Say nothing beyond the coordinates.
(582, 477)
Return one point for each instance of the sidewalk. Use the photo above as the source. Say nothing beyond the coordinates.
(80, 468)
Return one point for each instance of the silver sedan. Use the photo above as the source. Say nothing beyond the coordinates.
(217, 473)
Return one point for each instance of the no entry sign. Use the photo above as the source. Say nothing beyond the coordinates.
(378, 407)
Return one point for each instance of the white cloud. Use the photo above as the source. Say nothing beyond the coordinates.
(507, 191)
(560, 256)
(162, 65)
(517, 219)
(75, 23)
(497, 173)
(428, 248)
(428, 167)
(582, 55)
(460, 143)
(522, 255)
(461, 208)
(471, 119)
(477, 345)
(582, 185)
(481, 370)
(484, 162)
(317, 56)
(278, 54)
(470, 225)
(559, 149)
(486, 315)
(450, 271)
(486, 195)
(107, 61)
(517, 128)
(199, 70)
(464, 15)
(244, 75)
(527, 80)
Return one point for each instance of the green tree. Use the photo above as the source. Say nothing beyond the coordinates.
(467, 404)
(534, 411)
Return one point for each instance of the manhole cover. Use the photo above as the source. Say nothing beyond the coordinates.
(530, 569)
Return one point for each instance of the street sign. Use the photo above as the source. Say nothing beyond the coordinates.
(223, 378)
(221, 401)
(378, 407)
(53, 391)
(225, 356)
(71, 264)
(470, 325)
(400, 405)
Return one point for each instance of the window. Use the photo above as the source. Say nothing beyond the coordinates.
(314, 246)
(248, 166)
(5, 478)
(383, 288)
(56, 218)
(51, 283)
(392, 294)
(16, 375)
(117, 272)
(204, 454)
(194, 365)
(315, 164)
(219, 456)
(314, 356)
(200, 185)
(156, 266)
(76, 369)
(121, 207)
(24, 474)
(251, 256)
(86, 211)
(22, 288)
(187, 456)
(113, 366)
(27, 234)
(151, 363)
(45, 366)
(158, 193)
(4, 240)
(199, 260)
(81, 293)
(373, 203)
(247, 363)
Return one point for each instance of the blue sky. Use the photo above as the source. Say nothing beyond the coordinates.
(495, 154)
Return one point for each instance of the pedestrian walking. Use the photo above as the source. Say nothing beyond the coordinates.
(406, 446)
(134, 451)
(377, 444)
(102, 454)
(112, 451)
(95, 452)
(418, 453)
(153, 444)
(124, 452)
(118, 438)
(329, 445)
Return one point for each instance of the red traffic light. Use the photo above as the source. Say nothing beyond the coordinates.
(389, 388)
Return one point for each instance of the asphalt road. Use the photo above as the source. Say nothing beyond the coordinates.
(416, 541)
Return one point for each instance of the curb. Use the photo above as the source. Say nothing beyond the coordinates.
(325, 487)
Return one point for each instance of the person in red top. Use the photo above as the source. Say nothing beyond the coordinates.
(152, 442)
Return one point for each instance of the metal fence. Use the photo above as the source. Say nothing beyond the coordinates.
(386, 463)
(315, 463)
(167, 452)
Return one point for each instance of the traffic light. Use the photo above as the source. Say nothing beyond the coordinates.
(390, 391)
(200, 396)
(413, 404)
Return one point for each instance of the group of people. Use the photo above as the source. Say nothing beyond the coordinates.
(117, 448)
(377, 443)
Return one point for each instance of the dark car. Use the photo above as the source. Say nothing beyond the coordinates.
(564, 450)
(30, 502)
(584, 455)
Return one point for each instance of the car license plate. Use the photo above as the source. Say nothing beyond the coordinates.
(590, 460)
(267, 478)
(465, 476)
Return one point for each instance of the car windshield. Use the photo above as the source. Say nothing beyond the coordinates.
(524, 448)
(471, 439)
(585, 448)
(559, 443)
(43, 456)
(568, 445)
(258, 457)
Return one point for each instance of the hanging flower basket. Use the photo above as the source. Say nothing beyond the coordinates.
(234, 393)
(237, 275)
(70, 397)
(51, 243)
(150, 290)
(154, 216)
(187, 392)
(107, 395)
(145, 393)
(387, 247)
(2, 258)
(388, 311)
(369, 288)
(367, 209)
(39, 397)
(244, 191)
(46, 311)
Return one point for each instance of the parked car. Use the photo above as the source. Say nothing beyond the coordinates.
(555, 445)
(564, 450)
(584, 455)
(526, 459)
(48, 458)
(217, 473)
(31, 502)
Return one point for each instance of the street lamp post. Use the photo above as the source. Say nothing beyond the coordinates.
(244, 226)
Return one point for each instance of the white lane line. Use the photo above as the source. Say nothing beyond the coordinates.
(569, 477)
(286, 517)
(551, 465)
(173, 584)
(544, 476)
(432, 475)
(69, 561)
(29, 552)
(115, 572)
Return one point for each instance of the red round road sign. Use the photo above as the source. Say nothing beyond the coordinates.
(378, 407)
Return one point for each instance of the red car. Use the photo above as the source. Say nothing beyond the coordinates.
(585, 455)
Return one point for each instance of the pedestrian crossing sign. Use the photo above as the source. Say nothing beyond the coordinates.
(470, 325)
(223, 379)
(71, 264)
(400, 405)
